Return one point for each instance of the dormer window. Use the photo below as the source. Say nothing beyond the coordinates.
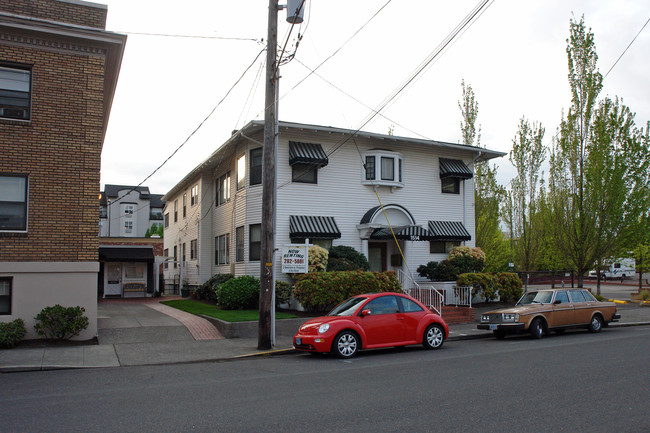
(383, 167)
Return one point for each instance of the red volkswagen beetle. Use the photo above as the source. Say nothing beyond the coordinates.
(371, 321)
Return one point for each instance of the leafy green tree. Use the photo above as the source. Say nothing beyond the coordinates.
(598, 165)
(527, 155)
(488, 194)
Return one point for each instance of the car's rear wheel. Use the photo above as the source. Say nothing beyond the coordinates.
(537, 328)
(434, 336)
(346, 344)
(596, 323)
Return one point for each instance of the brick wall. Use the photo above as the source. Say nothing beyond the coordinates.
(60, 150)
(86, 15)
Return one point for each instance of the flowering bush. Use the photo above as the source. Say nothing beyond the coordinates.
(344, 258)
(321, 291)
(11, 333)
(318, 257)
(60, 323)
(461, 260)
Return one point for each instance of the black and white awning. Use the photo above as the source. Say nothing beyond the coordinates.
(307, 153)
(403, 233)
(454, 168)
(313, 227)
(448, 231)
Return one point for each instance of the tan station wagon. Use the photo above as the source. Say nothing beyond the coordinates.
(542, 311)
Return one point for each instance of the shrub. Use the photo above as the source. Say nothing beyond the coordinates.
(238, 293)
(283, 292)
(485, 284)
(11, 333)
(344, 258)
(509, 286)
(206, 290)
(461, 260)
(321, 291)
(60, 323)
(317, 259)
(645, 295)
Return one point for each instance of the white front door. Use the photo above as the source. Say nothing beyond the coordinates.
(113, 283)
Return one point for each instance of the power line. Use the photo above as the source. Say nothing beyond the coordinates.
(198, 127)
(625, 51)
(167, 35)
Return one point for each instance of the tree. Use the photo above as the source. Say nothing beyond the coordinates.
(527, 155)
(488, 194)
(597, 164)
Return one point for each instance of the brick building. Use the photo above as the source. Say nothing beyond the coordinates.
(58, 73)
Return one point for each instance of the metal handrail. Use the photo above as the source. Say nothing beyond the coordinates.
(429, 296)
(461, 296)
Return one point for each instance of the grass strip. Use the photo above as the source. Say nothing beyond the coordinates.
(196, 307)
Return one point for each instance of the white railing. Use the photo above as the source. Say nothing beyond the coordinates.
(460, 296)
(429, 296)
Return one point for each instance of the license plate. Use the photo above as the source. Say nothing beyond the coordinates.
(493, 327)
(298, 341)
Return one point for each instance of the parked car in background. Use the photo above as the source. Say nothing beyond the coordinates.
(542, 311)
(372, 321)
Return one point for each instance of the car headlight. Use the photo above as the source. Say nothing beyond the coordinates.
(510, 317)
(485, 318)
(323, 328)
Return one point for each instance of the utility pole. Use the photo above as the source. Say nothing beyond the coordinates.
(268, 182)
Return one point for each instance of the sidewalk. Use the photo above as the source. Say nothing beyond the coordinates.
(142, 333)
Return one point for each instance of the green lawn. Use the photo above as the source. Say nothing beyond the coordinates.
(196, 307)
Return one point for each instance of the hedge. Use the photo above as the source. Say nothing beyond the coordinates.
(504, 284)
(11, 333)
(321, 291)
(239, 293)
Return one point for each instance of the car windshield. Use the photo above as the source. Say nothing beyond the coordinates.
(541, 297)
(347, 308)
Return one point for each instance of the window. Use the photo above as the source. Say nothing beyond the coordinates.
(241, 172)
(5, 295)
(175, 256)
(323, 243)
(128, 226)
(383, 167)
(134, 271)
(184, 204)
(256, 166)
(577, 296)
(194, 195)
(304, 173)
(383, 305)
(561, 298)
(194, 249)
(240, 243)
(15, 92)
(254, 242)
(128, 210)
(103, 213)
(409, 306)
(175, 210)
(450, 185)
(223, 189)
(387, 168)
(167, 220)
(370, 168)
(13, 203)
(183, 251)
(222, 246)
(155, 213)
(165, 255)
(442, 247)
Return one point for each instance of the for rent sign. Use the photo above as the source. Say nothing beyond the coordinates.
(295, 259)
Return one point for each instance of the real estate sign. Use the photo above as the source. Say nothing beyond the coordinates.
(295, 258)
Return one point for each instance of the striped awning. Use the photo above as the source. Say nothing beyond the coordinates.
(404, 233)
(307, 153)
(313, 227)
(454, 168)
(448, 231)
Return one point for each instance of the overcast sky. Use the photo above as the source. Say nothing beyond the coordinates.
(513, 55)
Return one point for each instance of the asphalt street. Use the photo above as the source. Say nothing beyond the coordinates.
(570, 383)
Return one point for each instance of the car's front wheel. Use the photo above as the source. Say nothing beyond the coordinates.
(346, 344)
(596, 323)
(434, 336)
(537, 328)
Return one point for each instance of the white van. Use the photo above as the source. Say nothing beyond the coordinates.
(621, 269)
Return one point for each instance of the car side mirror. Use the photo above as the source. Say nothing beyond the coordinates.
(557, 302)
(365, 313)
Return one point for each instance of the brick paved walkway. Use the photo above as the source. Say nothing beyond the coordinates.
(200, 328)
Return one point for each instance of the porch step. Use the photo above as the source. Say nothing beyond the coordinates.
(457, 315)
